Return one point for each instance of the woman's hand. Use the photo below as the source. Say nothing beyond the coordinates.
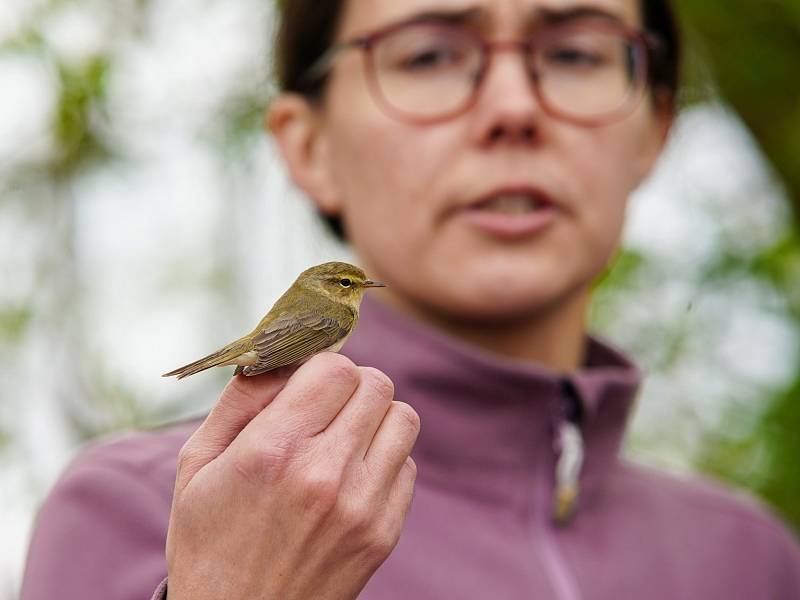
(293, 489)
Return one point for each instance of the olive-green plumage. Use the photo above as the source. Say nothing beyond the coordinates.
(316, 313)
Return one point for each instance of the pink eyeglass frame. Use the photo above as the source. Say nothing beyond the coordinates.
(643, 43)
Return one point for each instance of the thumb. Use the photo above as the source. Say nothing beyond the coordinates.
(241, 400)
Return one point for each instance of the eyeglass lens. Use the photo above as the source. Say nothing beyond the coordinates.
(429, 69)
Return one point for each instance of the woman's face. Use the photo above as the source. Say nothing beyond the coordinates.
(413, 197)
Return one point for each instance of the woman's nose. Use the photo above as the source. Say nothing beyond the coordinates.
(507, 107)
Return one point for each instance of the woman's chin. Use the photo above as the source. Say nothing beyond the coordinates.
(503, 307)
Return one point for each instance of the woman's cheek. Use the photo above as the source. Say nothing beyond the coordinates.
(599, 211)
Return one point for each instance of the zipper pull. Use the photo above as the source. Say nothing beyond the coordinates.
(568, 470)
(569, 450)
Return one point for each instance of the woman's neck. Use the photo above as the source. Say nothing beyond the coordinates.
(553, 337)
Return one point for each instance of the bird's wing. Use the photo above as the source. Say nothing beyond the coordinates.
(290, 338)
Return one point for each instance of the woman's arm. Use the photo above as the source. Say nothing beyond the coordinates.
(99, 535)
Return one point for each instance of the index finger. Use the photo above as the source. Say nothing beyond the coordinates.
(240, 402)
(311, 399)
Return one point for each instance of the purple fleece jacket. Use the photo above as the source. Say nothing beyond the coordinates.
(480, 524)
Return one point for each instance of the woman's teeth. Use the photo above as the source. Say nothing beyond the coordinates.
(511, 204)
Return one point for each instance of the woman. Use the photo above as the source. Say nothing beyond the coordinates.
(478, 156)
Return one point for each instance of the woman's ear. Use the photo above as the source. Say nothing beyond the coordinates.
(295, 125)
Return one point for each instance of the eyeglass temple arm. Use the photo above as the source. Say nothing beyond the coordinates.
(320, 67)
(655, 43)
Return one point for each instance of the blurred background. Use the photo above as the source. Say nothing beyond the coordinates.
(144, 218)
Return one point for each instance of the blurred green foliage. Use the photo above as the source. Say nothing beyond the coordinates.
(14, 322)
(80, 104)
(752, 50)
(5, 439)
(765, 459)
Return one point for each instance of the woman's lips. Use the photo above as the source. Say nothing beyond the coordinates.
(511, 213)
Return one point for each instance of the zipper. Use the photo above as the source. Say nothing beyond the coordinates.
(562, 502)
(562, 580)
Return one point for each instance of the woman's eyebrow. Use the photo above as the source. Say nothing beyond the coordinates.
(465, 16)
(552, 16)
(477, 15)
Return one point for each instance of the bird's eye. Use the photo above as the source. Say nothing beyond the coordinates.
(345, 282)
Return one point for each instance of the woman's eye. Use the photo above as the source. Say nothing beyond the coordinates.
(345, 282)
(426, 60)
(574, 57)
(432, 58)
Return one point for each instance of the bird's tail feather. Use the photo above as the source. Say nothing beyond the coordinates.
(215, 359)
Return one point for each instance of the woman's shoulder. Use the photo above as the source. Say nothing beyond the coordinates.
(142, 452)
(128, 463)
(114, 497)
(124, 467)
(706, 513)
(695, 493)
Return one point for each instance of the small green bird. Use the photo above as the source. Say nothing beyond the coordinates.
(318, 312)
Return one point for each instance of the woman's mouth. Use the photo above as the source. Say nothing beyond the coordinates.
(511, 204)
(511, 213)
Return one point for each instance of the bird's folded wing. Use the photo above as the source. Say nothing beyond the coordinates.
(289, 339)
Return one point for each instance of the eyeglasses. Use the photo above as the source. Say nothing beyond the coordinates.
(592, 72)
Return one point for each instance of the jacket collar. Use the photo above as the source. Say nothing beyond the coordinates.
(485, 419)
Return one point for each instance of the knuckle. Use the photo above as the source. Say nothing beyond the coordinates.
(337, 366)
(320, 493)
(236, 391)
(411, 466)
(378, 382)
(367, 528)
(358, 518)
(269, 463)
(185, 455)
(188, 460)
(241, 400)
(406, 415)
(381, 545)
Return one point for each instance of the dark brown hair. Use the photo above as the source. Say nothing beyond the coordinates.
(308, 27)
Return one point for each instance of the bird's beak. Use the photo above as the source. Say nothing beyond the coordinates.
(370, 283)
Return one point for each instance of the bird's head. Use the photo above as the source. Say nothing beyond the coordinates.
(338, 281)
